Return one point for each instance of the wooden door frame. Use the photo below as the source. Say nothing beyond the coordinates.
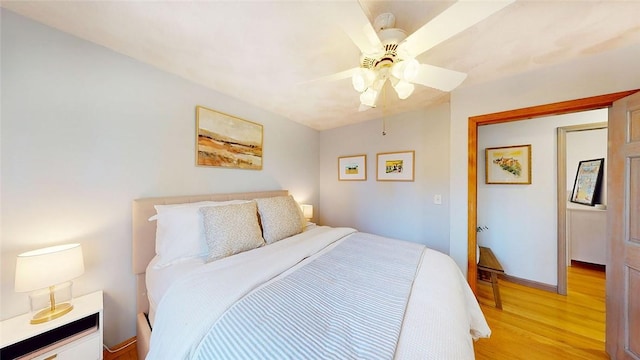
(563, 107)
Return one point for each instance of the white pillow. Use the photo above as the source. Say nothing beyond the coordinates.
(231, 229)
(180, 231)
(160, 208)
(280, 217)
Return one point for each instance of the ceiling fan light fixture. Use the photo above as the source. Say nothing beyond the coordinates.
(363, 107)
(362, 79)
(404, 89)
(369, 97)
(406, 70)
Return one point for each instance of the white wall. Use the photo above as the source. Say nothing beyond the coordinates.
(600, 74)
(403, 210)
(85, 131)
(522, 219)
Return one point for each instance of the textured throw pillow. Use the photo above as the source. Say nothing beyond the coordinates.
(280, 217)
(231, 229)
(180, 233)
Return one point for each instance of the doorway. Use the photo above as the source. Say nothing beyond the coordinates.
(519, 216)
(592, 103)
(564, 228)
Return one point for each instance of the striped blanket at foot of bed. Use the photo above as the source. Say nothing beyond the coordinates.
(346, 304)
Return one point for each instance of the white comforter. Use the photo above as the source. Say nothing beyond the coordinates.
(441, 318)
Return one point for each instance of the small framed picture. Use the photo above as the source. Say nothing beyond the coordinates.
(352, 168)
(508, 165)
(395, 166)
(586, 187)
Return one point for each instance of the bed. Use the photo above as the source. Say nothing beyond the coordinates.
(265, 284)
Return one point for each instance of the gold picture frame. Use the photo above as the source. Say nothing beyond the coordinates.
(508, 165)
(395, 166)
(352, 168)
(226, 141)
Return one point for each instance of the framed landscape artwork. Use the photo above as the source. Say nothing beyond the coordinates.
(508, 165)
(226, 141)
(586, 187)
(395, 166)
(352, 168)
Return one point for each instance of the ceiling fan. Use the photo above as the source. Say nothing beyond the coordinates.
(388, 54)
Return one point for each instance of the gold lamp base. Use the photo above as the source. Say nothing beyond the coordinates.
(45, 315)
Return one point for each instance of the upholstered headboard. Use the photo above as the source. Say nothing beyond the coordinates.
(144, 231)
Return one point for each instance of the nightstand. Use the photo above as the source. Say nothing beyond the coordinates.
(76, 335)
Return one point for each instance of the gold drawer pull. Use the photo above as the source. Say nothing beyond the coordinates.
(52, 357)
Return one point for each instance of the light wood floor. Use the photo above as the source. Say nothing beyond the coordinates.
(127, 353)
(536, 324)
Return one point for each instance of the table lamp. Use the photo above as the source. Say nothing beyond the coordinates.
(47, 268)
(307, 211)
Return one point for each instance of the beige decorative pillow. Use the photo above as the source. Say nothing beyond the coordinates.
(231, 229)
(280, 217)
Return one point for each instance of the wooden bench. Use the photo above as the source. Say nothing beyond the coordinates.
(489, 264)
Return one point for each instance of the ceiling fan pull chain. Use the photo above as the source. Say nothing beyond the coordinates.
(384, 106)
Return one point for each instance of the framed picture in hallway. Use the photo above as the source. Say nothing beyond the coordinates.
(586, 187)
(352, 168)
(395, 166)
(508, 165)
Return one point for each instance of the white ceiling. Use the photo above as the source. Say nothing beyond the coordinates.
(268, 52)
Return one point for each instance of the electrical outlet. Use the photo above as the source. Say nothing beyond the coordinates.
(437, 199)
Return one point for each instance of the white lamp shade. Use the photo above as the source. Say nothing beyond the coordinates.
(307, 211)
(50, 266)
(406, 70)
(404, 89)
(369, 97)
(362, 79)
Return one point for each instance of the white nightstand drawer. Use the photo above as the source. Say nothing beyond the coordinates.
(85, 348)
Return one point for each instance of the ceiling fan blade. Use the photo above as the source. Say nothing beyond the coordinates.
(438, 78)
(457, 18)
(352, 19)
(334, 77)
